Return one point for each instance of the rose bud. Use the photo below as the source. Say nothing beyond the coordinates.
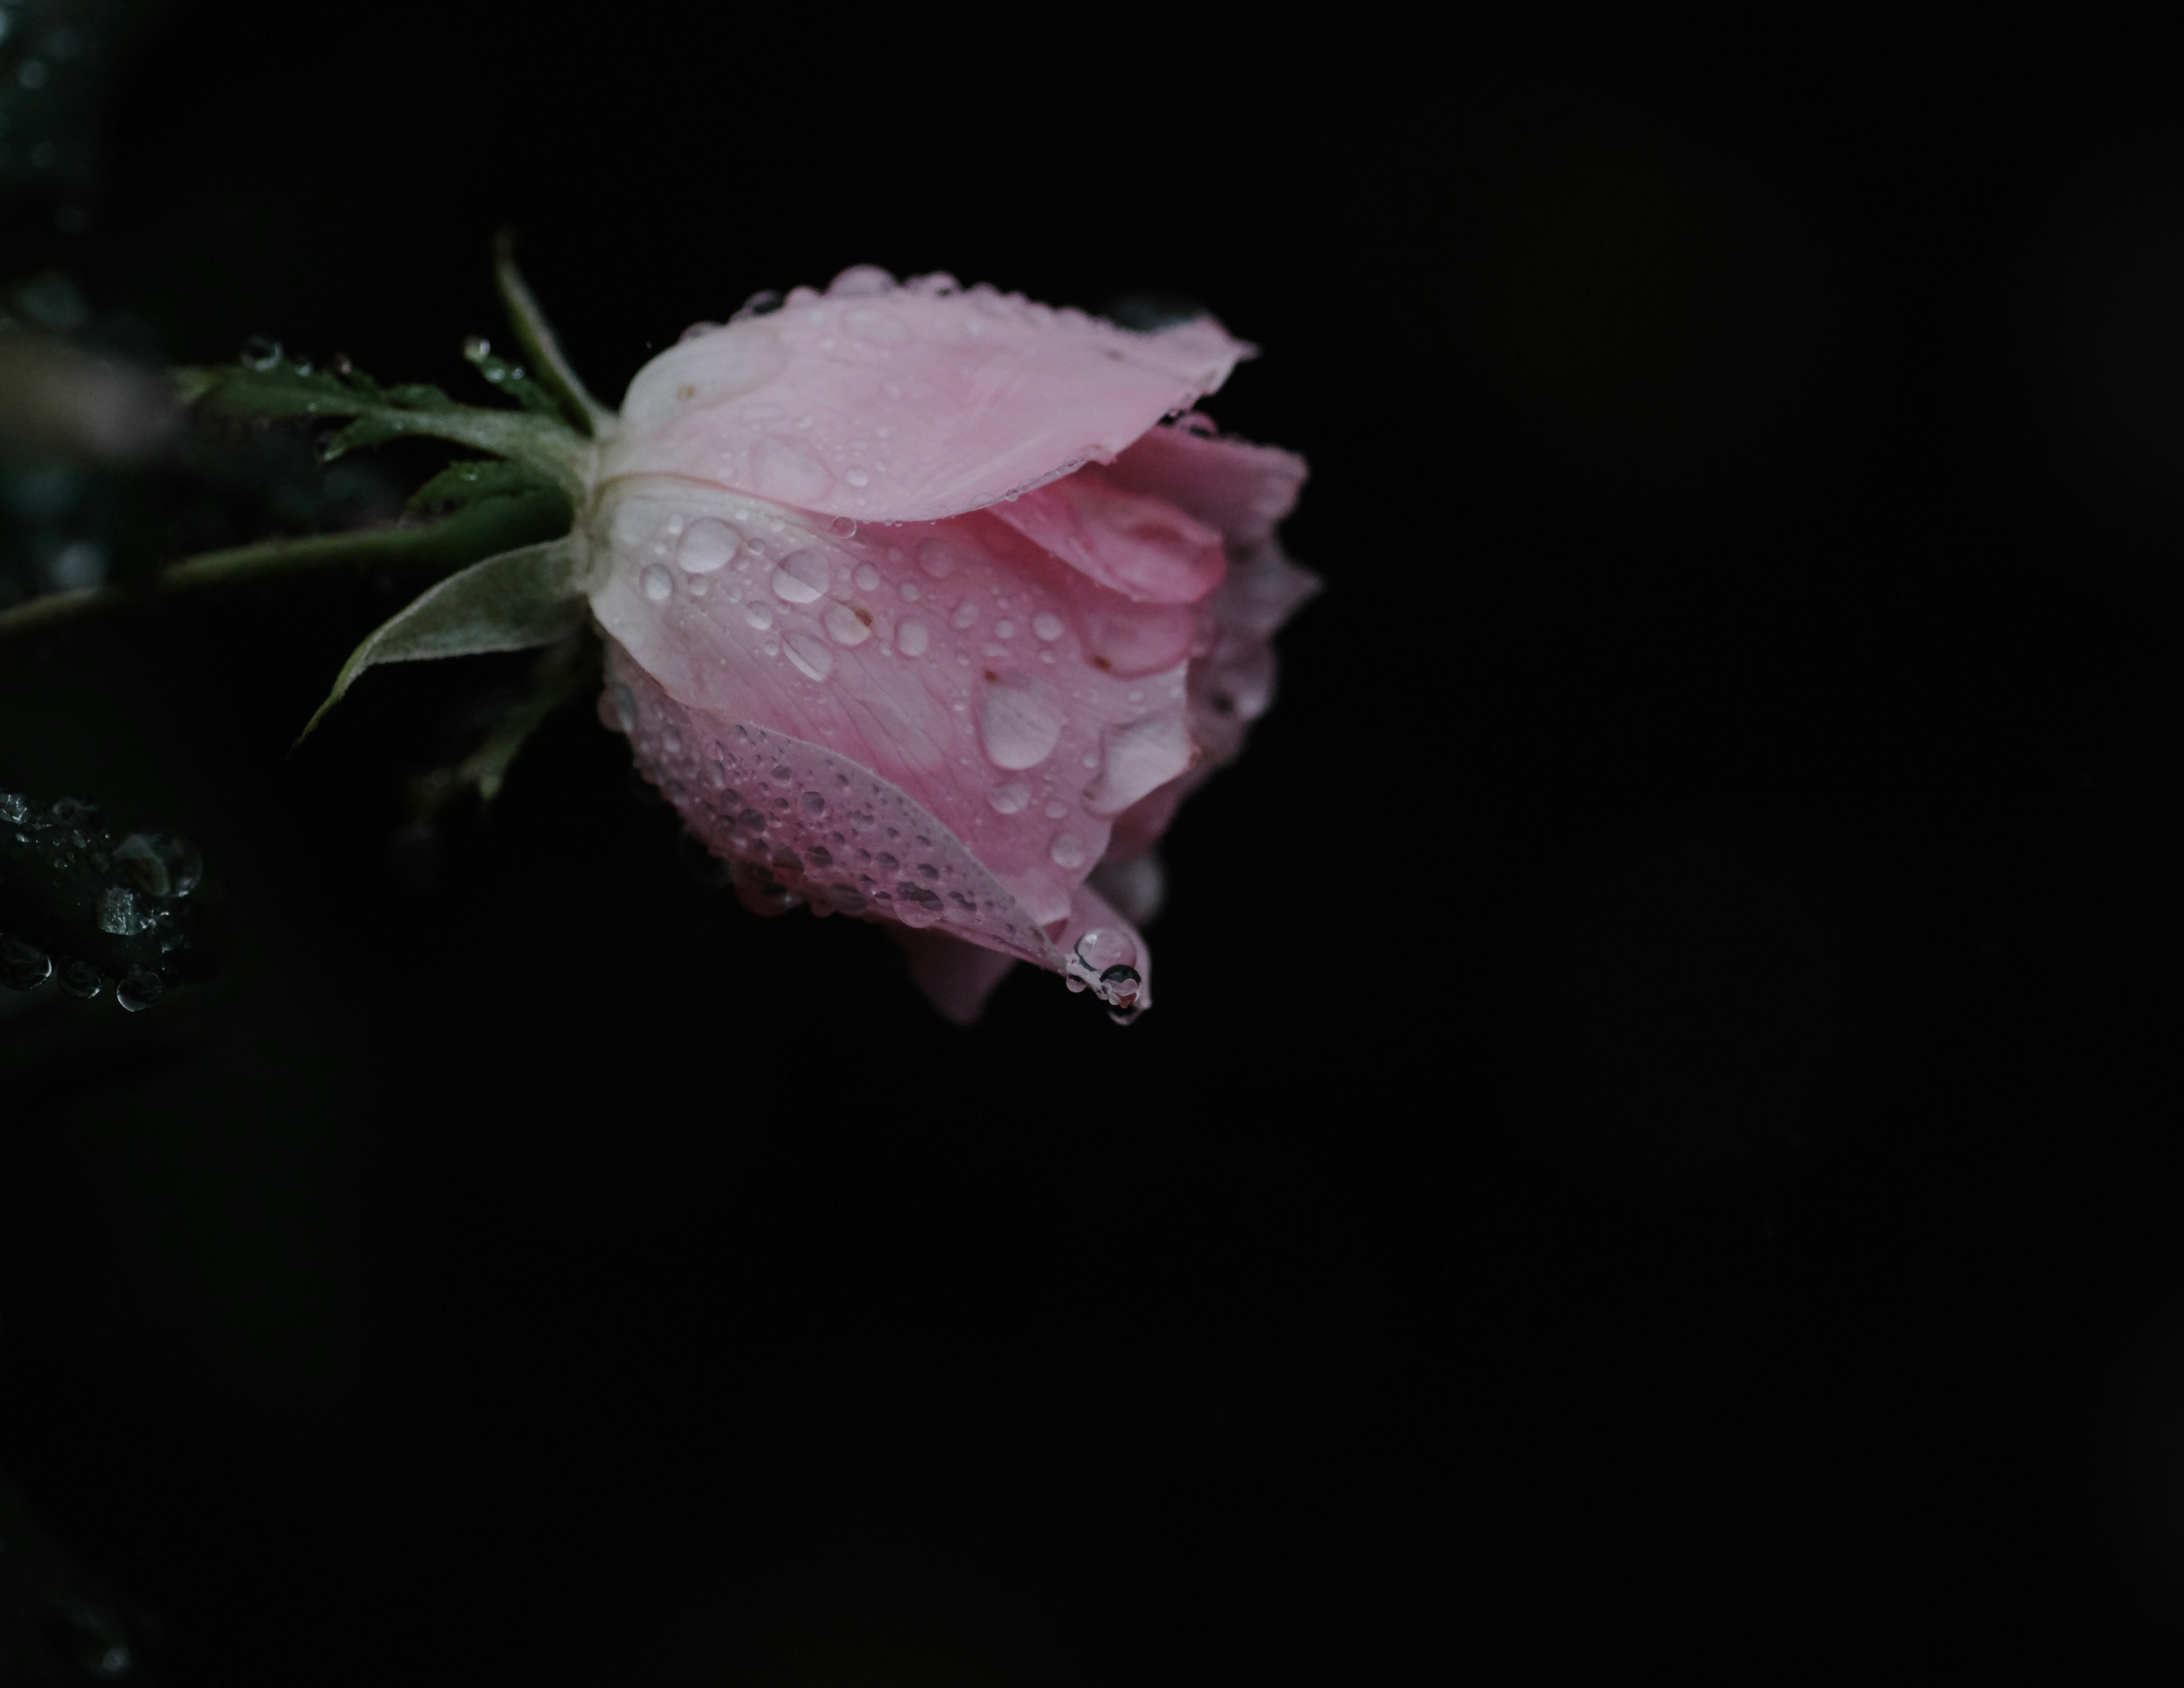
(915, 611)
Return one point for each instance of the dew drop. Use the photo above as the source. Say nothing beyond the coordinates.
(1010, 797)
(967, 612)
(802, 578)
(857, 477)
(1106, 947)
(1046, 625)
(845, 626)
(910, 592)
(867, 577)
(935, 559)
(912, 637)
(1055, 811)
(1066, 851)
(812, 659)
(80, 979)
(657, 582)
(22, 966)
(760, 616)
(139, 989)
(1004, 630)
(1018, 728)
(708, 544)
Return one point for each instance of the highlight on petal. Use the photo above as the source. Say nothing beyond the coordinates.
(908, 403)
(1144, 547)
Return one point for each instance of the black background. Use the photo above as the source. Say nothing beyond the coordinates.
(1657, 1145)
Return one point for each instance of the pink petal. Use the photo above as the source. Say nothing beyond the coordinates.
(1144, 547)
(908, 404)
(1237, 487)
(841, 684)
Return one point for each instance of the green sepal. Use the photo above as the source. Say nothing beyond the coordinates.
(515, 601)
(511, 379)
(540, 439)
(461, 484)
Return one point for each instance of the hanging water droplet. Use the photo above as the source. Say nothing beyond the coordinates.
(261, 352)
(1018, 726)
(1009, 798)
(658, 585)
(138, 990)
(810, 657)
(708, 544)
(1104, 947)
(80, 978)
(912, 638)
(801, 578)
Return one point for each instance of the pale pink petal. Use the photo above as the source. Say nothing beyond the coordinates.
(1230, 484)
(910, 403)
(956, 978)
(919, 659)
(1144, 547)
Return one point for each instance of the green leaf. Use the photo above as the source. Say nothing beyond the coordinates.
(461, 484)
(515, 601)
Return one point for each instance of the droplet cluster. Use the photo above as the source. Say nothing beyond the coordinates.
(93, 912)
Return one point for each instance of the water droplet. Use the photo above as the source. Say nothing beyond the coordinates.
(658, 584)
(1018, 728)
(967, 612)
(22, 966)
(139, 989)
(912, 637)
(118, 913)
(857, 477)
(811, 658)
(261, 352)
(1055, 811)
(1009, 797)
(80, 978)
(867, 577)
(813, 804)
(1004, 630)
(1106, 947)
(935, 559)
(716, 777)
(845, 626)
(802, 578)
(1066, 851)
(15, 809)
(760, 616)
(709, 543)
(1046, 625)
(910, 592)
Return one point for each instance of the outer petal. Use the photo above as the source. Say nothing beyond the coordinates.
(908, 404)
(1144, 547)
(1239, 488)
(946, 660)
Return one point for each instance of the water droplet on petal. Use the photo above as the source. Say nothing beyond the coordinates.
(1066, 850)
(802, 578)
(935, 559)
(912, 637)
(1009, 797)
(139, 989)
(845, 626)
(1018, 728)
(709, 543)
(1046, 625)
(867, 577)
(811, 658)
(857, 477)
(1105, 947)
(760, 616)
(658, 584)
(80, 978)
(22, 966)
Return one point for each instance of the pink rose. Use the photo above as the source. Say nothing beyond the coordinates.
(916, 612)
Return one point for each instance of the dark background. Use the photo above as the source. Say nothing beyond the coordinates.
(1659, 1142)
